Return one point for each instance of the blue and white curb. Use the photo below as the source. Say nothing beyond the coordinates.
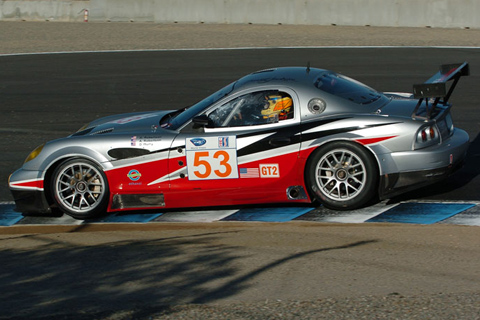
(427, 212)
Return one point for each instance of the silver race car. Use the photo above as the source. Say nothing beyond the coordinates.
(284, 135)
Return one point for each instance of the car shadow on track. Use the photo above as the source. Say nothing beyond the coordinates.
(144, 276)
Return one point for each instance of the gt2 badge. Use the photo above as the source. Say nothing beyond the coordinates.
(269, 171)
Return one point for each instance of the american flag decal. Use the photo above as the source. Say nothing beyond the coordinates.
(223, 142)
(249, 173)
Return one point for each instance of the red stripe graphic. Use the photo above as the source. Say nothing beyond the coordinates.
(368, 141)
(28, 184)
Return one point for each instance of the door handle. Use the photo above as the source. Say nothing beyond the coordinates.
(280, 141)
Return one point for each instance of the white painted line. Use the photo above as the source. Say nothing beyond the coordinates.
(195, 216)
(359, 215)
(64, 220)
(470, 217)
(240, 48)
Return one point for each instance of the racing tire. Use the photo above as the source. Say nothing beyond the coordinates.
(80, 189)
(342, 176)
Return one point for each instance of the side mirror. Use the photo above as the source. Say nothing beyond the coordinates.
(202, 121)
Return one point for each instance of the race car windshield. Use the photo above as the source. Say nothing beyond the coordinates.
(346, 88)
(189, 113)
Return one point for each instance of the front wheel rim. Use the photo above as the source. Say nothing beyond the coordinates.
(80, 187)
(341, 175)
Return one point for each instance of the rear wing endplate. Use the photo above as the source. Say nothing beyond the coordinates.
(436, 88)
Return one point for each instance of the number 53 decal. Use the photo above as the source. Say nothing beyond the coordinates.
(211, 158)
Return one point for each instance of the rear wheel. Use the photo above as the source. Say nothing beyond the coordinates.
(342, 175)
(80, 188)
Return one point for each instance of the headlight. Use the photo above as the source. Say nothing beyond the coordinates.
(34, 153)
(427, 136)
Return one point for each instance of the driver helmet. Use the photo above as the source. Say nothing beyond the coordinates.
(277, 106)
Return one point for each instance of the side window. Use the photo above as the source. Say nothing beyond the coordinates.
(226, 113)
(254, 108)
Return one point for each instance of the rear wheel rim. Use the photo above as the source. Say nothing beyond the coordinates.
(341, 175)
(80, 187)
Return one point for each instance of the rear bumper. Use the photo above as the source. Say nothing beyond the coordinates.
(419, 168)
(394, 184)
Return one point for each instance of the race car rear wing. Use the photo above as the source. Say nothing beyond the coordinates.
(436, 88)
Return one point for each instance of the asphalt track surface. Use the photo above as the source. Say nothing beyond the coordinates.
(49, 96)
(227, 270)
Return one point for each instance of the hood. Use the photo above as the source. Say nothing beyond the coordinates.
(124, 123)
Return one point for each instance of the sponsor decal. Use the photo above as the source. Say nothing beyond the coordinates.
(134, 175)
(223, 142)
(269, 171)
(133, 141)
(198, 142)
(249, 173)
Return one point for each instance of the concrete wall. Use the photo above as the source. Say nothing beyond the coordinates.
(404, 13)
(51, 10)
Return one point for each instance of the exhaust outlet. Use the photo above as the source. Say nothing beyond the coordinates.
(296, 193)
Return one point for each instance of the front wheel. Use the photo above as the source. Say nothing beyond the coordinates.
(80, 189)
(342, 175)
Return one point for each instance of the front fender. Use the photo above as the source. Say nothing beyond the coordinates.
(49, 156)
